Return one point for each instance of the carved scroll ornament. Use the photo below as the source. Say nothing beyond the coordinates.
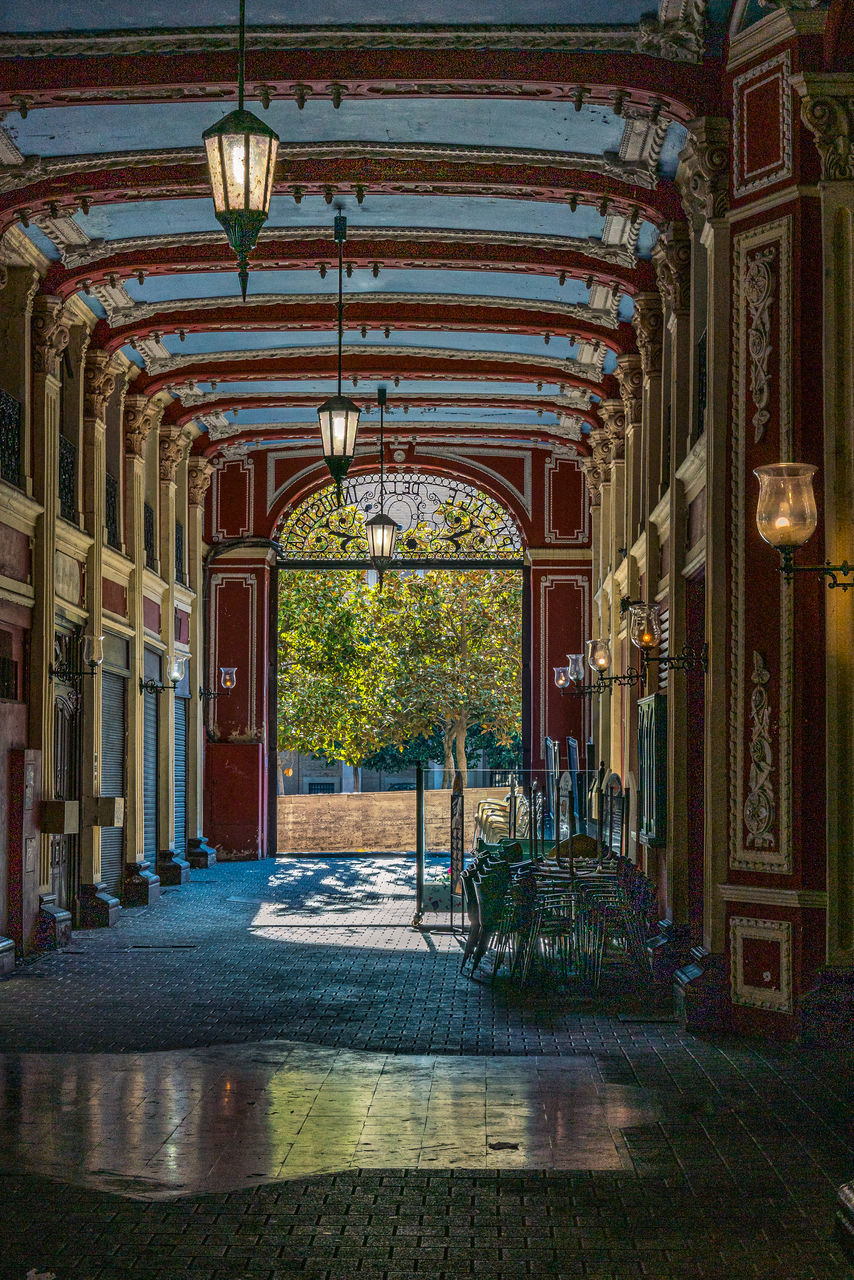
(831, 122)
(199, 475)
(759, 806)
(759, 282)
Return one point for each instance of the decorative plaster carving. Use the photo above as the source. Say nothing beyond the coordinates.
(629, 374)
(777, 68)
(608, 442)
(768, 996)
(831, 122)
(172, 446)
(648, 321)
(51, 332)
(594, 476)
(759, 805)
(199, 474)
(671, 256)
(759, 284)
(742, 856)
(140, 415)
(99, 383)
(703, 175)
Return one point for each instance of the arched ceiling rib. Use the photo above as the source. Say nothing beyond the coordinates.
(504, 185)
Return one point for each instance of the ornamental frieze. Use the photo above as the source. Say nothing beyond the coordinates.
(759, 806)
(831, 122)
(671, 256)
(759, 282)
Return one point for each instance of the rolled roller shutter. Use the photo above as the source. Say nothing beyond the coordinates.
(113, 729)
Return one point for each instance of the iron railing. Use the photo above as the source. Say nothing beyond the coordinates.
(111, 511)
(67, 479)
(10, 439)
(179, 552)
(149, 537)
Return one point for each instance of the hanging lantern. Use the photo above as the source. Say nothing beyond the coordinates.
(338, 416)
(241, 155)
(381, 530)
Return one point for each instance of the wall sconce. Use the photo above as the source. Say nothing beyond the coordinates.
(599, 660)
(174, 675)
(91, 655)
(227, 681)
(645, 633)
(786, 518)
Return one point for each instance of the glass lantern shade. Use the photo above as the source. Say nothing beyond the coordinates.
(561, 677)
(599, 656)
(339, 422)
(228, 677)
(381, 533)
(175, 668)
(241, 156)
(645, 626)
(786, 513)
(576, 666)
(93, 651)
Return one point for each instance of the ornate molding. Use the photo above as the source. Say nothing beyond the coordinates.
(172, 446)
(608, 442)
(629, 374)
(51, 332)
(594, 475)
(759, 809)
(141, 415)
(99, 383)
(648, 322)
(679, 39)
(830, 120)
(671, 256)
(759, 284)
(704, 168)
(199, 472)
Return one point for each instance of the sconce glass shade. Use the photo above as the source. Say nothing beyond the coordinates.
(92, 651)
(599, 655)
(339, 422)
(241, 155)
(786, 513)
(175, 668)
(576, 666)
(381, 533)
(228, 677)
(645, 626)
(561, 677)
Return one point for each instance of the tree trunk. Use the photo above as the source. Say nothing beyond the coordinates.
(459, 737)
(448, 745)
(357, 777)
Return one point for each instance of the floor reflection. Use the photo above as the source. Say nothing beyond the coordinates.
(152, 1125)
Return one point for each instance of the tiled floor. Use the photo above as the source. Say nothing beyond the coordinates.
(534, 1136)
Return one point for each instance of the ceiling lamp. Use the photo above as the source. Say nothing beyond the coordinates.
(338, 416)
(381, 530)
(241, 155)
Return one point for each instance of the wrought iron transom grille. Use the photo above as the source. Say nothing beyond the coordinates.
(439, 519)
(10, 439)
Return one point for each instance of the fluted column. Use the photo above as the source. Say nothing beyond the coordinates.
(172, 867)
(199, 852)
(648, 321)
(141, 416)
(50, 334)
(99, 381)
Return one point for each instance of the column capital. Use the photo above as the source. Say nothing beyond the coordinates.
(671, 256)
(594, 474)
(629, 374)
(704, 168)
(827, 110)
(172, 445)
(610, 444)
(99, 382)
(51, 333)
(140, 416)
(199, 474)
(648, 322)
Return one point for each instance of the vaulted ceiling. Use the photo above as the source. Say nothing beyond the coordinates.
(505, 171)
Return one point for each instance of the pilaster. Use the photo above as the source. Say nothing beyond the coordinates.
(199, 852)
(15, 354)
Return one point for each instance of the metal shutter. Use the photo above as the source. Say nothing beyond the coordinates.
(181, 718)
(664, 650)
(149, 776)
(112, 775)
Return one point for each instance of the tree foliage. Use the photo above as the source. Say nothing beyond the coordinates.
(431, 654)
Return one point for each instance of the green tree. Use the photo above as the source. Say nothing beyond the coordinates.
(363, 669)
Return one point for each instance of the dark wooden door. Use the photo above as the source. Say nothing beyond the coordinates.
(695, 627)
(113, 728)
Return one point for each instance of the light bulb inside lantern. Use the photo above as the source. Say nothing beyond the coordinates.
(786, 514)
(228, 677)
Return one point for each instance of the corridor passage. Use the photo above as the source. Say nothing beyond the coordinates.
(270, 1074)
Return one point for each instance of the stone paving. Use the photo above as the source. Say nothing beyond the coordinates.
(727, 1151)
